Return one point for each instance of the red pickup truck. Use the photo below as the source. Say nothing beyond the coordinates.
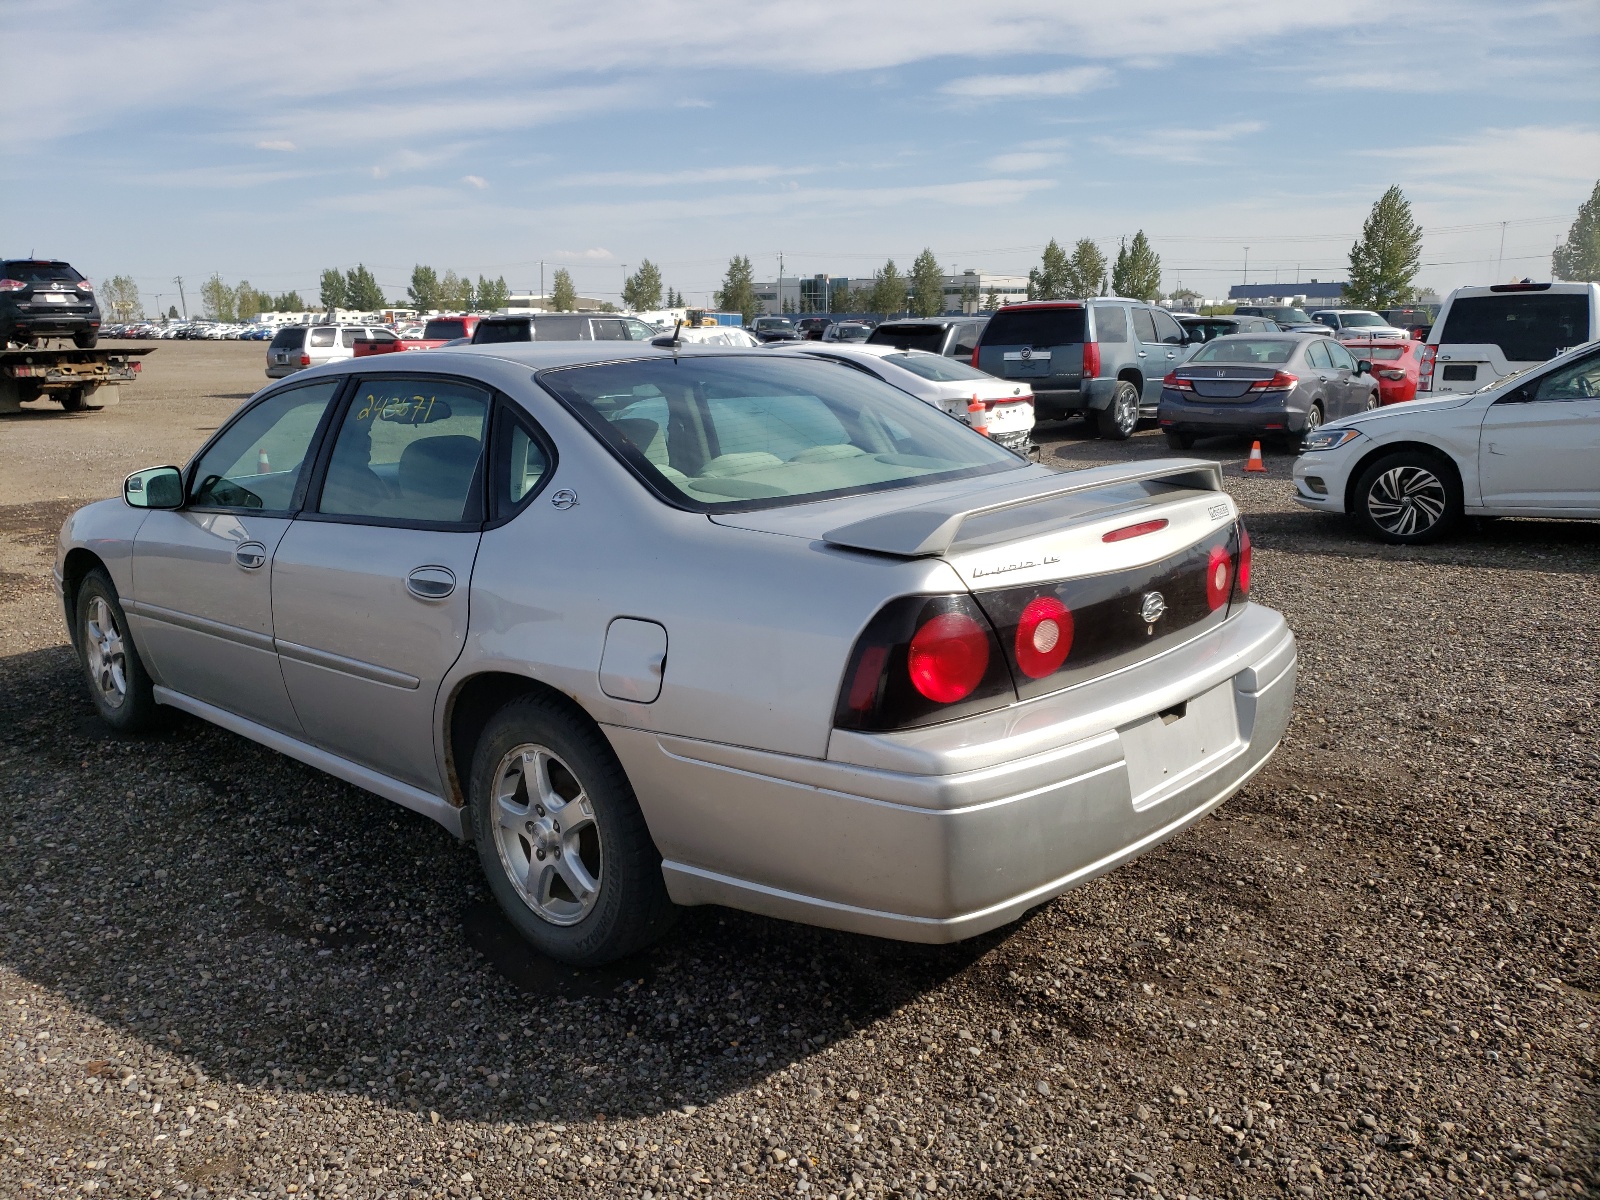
(436, 332)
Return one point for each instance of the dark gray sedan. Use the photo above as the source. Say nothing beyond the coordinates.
(1265, 385)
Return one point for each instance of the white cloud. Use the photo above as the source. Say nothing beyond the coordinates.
(477, 181)
(594, 253)
(276, 144)
(1072, 81)
(694, 104)
(1024, 160)
(699, 175)
(1181, 145)
(1553, 162)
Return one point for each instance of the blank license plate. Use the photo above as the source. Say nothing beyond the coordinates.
(54, 298)
(1168, 751)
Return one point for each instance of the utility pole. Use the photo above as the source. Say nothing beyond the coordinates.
(178, 279)
(780, 280)
(1246, 265)
(1500, 260)
(541, 286)
(624, 298)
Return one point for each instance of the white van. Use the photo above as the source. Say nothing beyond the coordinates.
(1483, 334)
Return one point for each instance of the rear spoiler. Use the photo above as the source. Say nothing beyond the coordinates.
(930, 530)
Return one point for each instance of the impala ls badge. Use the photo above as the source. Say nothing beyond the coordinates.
(1153, 608)
(564, 499)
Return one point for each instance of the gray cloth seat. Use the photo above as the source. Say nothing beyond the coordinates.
(435, 476)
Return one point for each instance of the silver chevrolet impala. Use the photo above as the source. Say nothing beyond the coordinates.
(660, 628)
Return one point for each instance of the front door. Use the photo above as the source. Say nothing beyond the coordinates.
(1350, 388)
(201, 607)
(370, 583)
(1542, 452)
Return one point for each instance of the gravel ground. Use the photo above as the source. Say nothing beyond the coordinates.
(1374, 972)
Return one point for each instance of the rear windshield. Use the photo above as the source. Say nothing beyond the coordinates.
(446, 330)
(1035, 327)
(289, 339)
(41, 272)
(1385, 353)
(503, 331)
(719, 433)
(1527, 328)
(936, 367)
(1238, 349)
(908, 337)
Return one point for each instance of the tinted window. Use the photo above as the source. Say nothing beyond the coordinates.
(1528, 327)
(936, 367)
(719, 432)
(502, 331)
(445, 329)
(1035, 327)
(257, 460)
(561, 329)
(407, 449)
(322, 337)
(909, 337)
(1110, 324)
(1168, 330)
(610, 331)
(1144, 325)
(1244, 350)
(1317, 354)
(41, 272)
(966, 340)
(1340, 357)
(291, 338)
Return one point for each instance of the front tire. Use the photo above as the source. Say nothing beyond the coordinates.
(118, 684)
(1120, 418)
(1408, 498)
(560, 836)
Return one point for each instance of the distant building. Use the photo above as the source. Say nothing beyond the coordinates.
(970, 291)
(1316, 294)
(529, 302)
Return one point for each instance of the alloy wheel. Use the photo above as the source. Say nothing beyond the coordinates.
(107, 653)
(546, 833)
(1407, 500)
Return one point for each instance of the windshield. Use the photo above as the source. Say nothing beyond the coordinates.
(1361, 320)
(721, 433)
(444, 329)
(1236, 349)
(936, 367)
(909, 337)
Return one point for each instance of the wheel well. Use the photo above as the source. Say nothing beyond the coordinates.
(474, 702)
(1130, 375)
(78, 564)
(1377, 452)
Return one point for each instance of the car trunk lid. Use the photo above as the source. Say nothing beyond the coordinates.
(1231, 382)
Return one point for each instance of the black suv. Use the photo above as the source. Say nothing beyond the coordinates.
(41, 298)
(1104, 358)
(954, 337)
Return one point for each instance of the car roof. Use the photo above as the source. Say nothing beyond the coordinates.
(1293, 338)
(1559, 286)
(864, 349)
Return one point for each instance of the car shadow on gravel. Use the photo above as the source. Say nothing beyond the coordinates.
(1510, 543)
(269, 925)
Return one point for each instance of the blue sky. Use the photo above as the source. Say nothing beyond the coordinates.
(266, 141)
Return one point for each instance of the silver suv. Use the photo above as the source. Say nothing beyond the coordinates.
(296, 347)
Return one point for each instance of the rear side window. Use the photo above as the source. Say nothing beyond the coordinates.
(1110, 324)
(289, 339)
(908, 337)
(322, 337)
(349, 337)
(561, 329)
(1035, 327)
(610, 331)
(41, 272)
(966, 341)
(1527, 328)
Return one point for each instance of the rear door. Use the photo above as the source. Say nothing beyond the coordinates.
(1349, 388)
(1484, 338)
(1539, 446)
(370, 582)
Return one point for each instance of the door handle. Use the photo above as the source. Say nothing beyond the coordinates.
(431, 583)
(1172, 354)
(250, 555)
(1142, 354)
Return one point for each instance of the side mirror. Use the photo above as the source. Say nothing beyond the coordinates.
(157, 487)
(1363, 366)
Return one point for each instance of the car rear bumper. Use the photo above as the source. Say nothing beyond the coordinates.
(942, 833)
(1189, 416)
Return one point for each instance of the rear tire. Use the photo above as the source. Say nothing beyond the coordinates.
(1179, 441)
(560, 836)
(1120, 418)
(1407, 498)
(86, 341)
(118, 684)
(75, 399)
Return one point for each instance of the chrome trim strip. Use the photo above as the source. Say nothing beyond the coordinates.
(217, 629)
(371, 672)
(368, 780)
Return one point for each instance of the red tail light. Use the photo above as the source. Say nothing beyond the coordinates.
(1430, 352)
(1243, 576)
(11, 285)
(1219, 577)
(1172, 381)
(1133, 531)
(1091, 360)
(1280, 381)
(1044, 636)
(85, 286)
(1394, 376)
(949, 657)
(305, 360)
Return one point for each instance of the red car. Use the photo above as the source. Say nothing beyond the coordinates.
(1394, 366)
(437, 332)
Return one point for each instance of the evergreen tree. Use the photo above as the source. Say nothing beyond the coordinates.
(927, 285)
(1137, 273)
(493, 294)
(1085, 274)
(1048, 281)
(888, 294)
(1578, 258)
(172, 312)
(218, 299)
(362, 292)
(969, 292)
(641, 291)
(738, 291)
(424, 289)
(288, 302)
(991, 301)
(334, 292)
(843, 299)
(1385, 261)
(563, 296)
(455, 293)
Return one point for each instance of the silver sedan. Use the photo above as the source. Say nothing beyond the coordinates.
(659, 628)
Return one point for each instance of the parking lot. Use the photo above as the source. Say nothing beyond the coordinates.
(1374, 972)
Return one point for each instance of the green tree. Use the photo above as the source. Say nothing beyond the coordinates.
(172, 312)
(493, 295)
(888, 294)
(969, 292)
(1137, 272)
(563, 296)
(247, 302)
(1048, 281)
(991, 301)
(738, 290)
(455, 293)
(641, 291)
(1386, 258)
(1578, 258)
(120, 295)
(927, 285)
(217, 298)
(362, 292)
(844, 299)
(1086, 272)
(335, 294)
(288, 302)
(423, 291)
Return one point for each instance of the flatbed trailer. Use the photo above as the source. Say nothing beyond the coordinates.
(78, 379)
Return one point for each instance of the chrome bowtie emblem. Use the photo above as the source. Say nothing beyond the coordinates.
(1153, 608)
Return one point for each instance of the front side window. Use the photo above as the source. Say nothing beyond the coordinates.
(1576, 381)
(257, 461)
(1340, 357)
(1168, 330)
(407, 450)
(638, 331)
(718, 433)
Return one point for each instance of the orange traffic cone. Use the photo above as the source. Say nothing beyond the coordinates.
(263, 467)
(1254, 462)
(978, 416)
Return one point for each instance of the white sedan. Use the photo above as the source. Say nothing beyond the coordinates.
(1001, 407)
(1527, 446)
